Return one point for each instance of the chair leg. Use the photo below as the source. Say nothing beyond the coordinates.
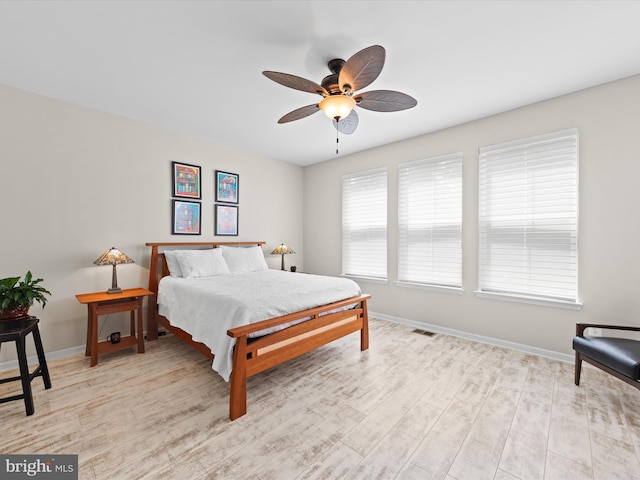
(44, 370)
(578, 368)
(25, 375)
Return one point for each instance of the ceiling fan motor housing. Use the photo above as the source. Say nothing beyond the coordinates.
(331, 82)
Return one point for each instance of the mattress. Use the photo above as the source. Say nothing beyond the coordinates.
(209, 306)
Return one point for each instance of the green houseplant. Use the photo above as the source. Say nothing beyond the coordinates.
(16, 296)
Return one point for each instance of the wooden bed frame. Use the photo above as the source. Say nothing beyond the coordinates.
(253, 357)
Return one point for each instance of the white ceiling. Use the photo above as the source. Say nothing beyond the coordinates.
(195, 66)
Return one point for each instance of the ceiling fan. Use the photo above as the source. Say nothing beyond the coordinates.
(339, 90)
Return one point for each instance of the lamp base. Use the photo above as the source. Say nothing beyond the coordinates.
(114, 282)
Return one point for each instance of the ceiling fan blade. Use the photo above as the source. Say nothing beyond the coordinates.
(385, 101)
(299, 113)
(298, 83)
(347, 125)
(361, 69)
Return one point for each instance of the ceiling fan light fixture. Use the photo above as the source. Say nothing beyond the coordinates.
(337, 106)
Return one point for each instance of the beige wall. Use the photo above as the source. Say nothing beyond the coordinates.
(609, 121)
(75, 182)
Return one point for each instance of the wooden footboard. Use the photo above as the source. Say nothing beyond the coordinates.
(279, 347)
(321, 325)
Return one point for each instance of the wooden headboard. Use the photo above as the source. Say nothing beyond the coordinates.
(158, 266)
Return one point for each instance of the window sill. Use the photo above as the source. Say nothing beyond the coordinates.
(530, 300)
(381, 281)
(433, 288)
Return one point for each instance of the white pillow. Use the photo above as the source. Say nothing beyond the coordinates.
(244, 259)
(172, 263)
(202, 263)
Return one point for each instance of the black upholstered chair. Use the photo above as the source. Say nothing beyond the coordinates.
(619, 357)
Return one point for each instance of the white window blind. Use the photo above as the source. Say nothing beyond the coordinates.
(430, 221)
(364, 224)
(529, 217)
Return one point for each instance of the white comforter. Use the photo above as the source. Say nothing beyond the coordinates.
(207, 307)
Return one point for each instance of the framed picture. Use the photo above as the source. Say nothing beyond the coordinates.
(186, 180)
(226, 220)
(227, 187)
(186, 218)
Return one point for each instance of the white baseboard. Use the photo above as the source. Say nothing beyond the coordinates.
(33, 360)
(66, 352)
(563, 357)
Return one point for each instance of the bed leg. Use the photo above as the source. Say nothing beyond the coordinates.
(152, 307)
(238, 394)
(152, 319)
(364, 333)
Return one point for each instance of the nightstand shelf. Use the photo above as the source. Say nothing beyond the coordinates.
(125, 342)
(102, 303)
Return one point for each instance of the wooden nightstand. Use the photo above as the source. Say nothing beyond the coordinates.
(102, 303)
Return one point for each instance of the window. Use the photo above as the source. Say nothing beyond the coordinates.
(529, 218)
(430, 221)
(364, 224)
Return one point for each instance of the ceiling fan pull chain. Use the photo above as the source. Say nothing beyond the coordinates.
(337, 133)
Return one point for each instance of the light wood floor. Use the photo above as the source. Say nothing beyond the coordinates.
(411, 407)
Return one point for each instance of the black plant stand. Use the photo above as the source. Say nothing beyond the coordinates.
(16, 330)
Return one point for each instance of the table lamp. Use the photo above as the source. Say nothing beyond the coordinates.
(283, 250)
(113, 256)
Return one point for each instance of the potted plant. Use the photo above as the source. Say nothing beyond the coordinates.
(16, 296)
